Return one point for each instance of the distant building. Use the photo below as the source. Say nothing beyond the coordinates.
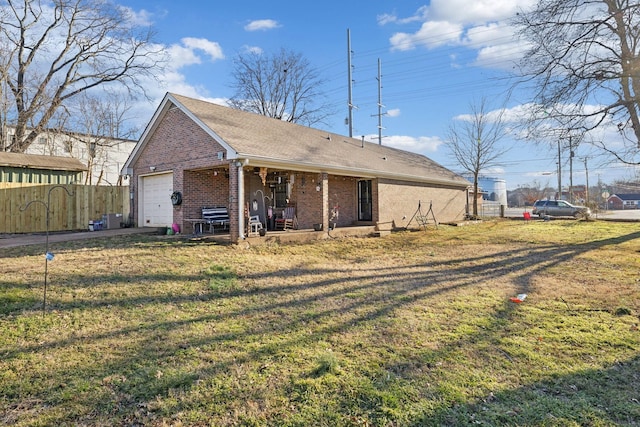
(623, 201)
(19, 170)
(102, 157)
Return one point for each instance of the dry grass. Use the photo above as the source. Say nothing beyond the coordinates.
(407, 330)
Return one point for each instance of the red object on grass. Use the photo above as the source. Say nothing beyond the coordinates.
(519, 298)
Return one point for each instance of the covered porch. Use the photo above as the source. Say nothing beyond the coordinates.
(320, 202)
(293, 236)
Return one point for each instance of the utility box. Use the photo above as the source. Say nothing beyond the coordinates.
(110, 221)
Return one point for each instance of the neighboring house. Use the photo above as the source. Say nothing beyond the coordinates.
(624, 201)
(19, 170)
(103, 157)
(255, 165)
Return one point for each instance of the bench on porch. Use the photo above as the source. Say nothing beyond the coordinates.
(217, 216)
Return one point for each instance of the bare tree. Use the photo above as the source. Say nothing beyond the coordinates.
(474, 140)
(58, 49)
(283, 86)
(98, 125)
(583, 63)
(4, 105)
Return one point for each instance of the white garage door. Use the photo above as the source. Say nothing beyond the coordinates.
(157, 210)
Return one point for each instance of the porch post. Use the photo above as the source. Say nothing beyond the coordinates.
(240, 218)
(325, 201)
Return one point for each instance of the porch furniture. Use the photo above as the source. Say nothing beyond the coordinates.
(254, 225)
(288, 219)
(217, 216)
(198, 225)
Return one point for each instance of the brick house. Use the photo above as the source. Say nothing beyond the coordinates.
(255, 165)
(623, 201)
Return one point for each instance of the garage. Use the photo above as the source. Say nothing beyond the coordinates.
(157, 209)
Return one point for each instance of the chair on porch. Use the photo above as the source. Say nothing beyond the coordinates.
(288, 219)
(254, 225)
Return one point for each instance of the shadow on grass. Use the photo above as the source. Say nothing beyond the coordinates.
(593, 397)
(286, 311)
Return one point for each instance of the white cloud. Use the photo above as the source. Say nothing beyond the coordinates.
(186, 53)
(391, 18)
(421, 144)
(261, 25)
(480, 25)
(483, 35)
(475, 12)
(212, 49)
(181, 56)
(431, 34)
(394, 112)
(503, 56)
(139, 18)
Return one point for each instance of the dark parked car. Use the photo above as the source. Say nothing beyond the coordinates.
(544, 208)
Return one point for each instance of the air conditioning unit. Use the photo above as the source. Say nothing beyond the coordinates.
(111, 221)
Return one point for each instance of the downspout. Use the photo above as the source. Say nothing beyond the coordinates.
(241, 235)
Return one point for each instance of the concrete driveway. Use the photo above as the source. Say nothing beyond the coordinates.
(39, 239)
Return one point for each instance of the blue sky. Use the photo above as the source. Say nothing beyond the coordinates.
(436, 57)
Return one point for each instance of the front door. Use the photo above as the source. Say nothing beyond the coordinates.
(365, 200)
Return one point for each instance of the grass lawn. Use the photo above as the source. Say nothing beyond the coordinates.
(412, 329)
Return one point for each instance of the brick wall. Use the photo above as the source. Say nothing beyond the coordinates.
(399, 200)
(179, 145)
(343, 193)
(307, 197)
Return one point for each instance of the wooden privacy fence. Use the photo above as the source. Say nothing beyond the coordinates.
(66, 213)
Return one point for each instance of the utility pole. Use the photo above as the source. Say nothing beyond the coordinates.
(586, 171)
(570, 170)
(559, 173)
(380, 106)
(350, 84)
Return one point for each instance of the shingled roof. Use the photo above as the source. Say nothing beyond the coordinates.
(627, 196)
(34, 161)
(265, 141)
